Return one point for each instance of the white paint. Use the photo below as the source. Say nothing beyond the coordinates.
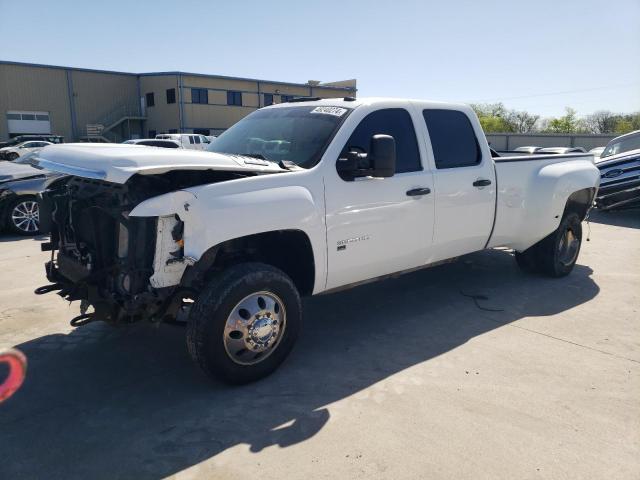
(383, 229)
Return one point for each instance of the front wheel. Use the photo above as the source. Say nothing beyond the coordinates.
(244, 323)
(556, 254)
(24, 216)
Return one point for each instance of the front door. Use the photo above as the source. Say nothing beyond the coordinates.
(377, 226)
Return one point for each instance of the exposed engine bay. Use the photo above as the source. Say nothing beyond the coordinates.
(118, 264)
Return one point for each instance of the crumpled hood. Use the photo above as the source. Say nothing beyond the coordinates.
(117, 162)
(15, 171)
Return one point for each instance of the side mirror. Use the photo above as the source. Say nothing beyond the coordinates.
(379, 162)
(382, 156)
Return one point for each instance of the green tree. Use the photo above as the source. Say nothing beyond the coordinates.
(494, 124)
(568, 123)
(623, 125)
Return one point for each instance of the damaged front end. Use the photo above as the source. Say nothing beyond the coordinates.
(127, 268)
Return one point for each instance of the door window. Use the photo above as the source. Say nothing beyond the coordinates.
(453, 140)
(391, 121)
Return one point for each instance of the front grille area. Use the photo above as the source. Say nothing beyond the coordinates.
(103, 256)
(619, 183)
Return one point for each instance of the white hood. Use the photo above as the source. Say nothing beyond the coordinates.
(117, 162)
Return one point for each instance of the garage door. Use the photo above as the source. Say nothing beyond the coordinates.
(21, 122)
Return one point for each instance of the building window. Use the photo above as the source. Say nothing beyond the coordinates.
(285, 98)
(152, 134)
(201, 131)
(171, 95)
(173, 130)
(268, 99)
(199, 95)
(150, 100)
(234, 98)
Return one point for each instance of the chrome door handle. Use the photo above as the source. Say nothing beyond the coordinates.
(483, 182)
(418, 191)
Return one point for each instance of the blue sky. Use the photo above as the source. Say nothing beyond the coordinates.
(537, 55)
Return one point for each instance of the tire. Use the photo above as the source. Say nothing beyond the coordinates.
(235, 331)
(23, 216)
(12, 156)
(556, 254)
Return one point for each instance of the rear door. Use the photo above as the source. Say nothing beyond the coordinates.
(465, 184)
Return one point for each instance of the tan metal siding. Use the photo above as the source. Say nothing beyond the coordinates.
(163, 116)
(103, 98)
(37, 89)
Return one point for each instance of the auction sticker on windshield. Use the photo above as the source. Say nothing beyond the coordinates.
(336, 111)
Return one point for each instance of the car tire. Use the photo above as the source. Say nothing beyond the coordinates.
(556, 254)
(244, 323)
(23, 216)
(12, 156)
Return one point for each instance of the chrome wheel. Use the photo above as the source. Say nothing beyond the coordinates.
(254, 328)
(568, 248)
(25, 216)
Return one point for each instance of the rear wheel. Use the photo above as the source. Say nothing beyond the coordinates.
(23, 216)
(244, 323)
(12, 156)
(556, 254)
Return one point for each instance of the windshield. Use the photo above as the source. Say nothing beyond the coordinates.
(296, 134)
(621, 145)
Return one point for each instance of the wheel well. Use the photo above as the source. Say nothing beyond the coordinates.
(287, 250)
(580, 201)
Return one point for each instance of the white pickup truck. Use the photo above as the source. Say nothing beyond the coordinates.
(295, 199)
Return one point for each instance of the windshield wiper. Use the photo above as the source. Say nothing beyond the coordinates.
(259, 156)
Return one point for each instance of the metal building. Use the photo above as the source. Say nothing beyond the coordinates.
(84, 104)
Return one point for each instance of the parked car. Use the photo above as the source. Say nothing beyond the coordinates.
(619, 181)
(562, 150)
(211, 138)
(154, 142)
(187, 140)
(296, 199)
(621, 144)
(34, 137)
(19, 185)
(11, 153)
(596, 152)
(528, 149)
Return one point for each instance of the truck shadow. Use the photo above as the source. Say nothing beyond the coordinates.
(106, 402)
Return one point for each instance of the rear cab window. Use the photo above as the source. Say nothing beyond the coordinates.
(453, 139)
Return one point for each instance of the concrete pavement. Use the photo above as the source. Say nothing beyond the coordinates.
(402, 379)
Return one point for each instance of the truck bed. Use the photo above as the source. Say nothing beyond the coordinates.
(526, 185)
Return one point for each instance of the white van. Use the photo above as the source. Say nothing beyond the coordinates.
(187, 140)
